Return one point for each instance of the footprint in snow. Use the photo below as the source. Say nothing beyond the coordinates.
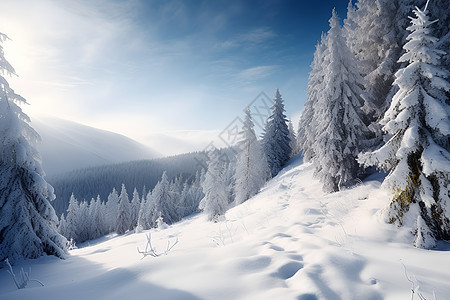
(276, 248)
(250, 265)
(296, 257)
(280, 234)
(288, 270)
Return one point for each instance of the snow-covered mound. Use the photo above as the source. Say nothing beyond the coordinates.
(291, 241)
(68, 145)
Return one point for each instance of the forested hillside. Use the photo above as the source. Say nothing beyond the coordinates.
(89, 182)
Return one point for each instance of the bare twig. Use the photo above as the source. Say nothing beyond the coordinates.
(414, 288)
(21, 282)
(150, 251)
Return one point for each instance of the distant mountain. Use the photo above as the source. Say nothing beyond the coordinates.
(68, 145)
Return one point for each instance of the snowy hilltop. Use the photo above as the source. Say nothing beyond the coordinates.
(84, 145)
(291, 241)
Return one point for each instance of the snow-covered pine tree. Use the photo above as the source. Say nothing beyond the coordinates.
(123, 212)
(340, 129)
(83, 229)
(112, 206)
(251, 167)
(28, 223)
(372, 36)
(98, 228)
(190, 197)
(417, 154)
(439, 10)
(175, 188)
(293, 138)
(62, 226)
(163, 202)
(135, 206)
(70, 230)
(183, 202)
(375, 32)
(276, 142)
(307, 125)
(215, 201)
(143, 215)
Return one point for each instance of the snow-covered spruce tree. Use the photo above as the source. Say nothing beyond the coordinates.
(372, 36)
(340, 129)
(71, 220)
(123, 212)
(293, 139)
(135, 206)
(175, 188)
(251, 168)
(84, 222)
(215, 202)
(97, 216)
(112, 206)
(307, 125)
(190, 197)
(276, 142)
(439, 10)
(27, 219)
(375, 32)
(163, 202)
(417, 154)
(143, 215)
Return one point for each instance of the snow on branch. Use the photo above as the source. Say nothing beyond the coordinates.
(24, 277)
(150, 251)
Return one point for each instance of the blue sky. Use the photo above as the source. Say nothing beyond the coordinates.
(162, 72)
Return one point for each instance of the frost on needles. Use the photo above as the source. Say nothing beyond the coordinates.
(276, 141)
(417, 153)
(27, 219)
(251, 167)
(333, 125)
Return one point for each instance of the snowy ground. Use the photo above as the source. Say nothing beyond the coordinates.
(289, 242)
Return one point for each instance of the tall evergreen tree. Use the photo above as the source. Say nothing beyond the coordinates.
(123, 212)
(83, 229)
(375, 32)
(251, 168)
(372, 36)
(215, 202)
(163, 201)
(112, 206)
(340, 129)
(135, 206)
(307, 125)
(97, 218)
(276, 142)
(417, 154)
(70, 230)
(27, 219)
(293, 139)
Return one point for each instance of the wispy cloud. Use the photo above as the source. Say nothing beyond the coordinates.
(250, 39)
(255, 73)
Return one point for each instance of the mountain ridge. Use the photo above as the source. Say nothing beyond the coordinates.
(68, 145)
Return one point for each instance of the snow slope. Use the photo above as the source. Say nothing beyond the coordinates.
(291, 241)
(68, 145)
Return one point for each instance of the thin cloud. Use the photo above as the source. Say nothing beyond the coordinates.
(250, 39)
(255, 73)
